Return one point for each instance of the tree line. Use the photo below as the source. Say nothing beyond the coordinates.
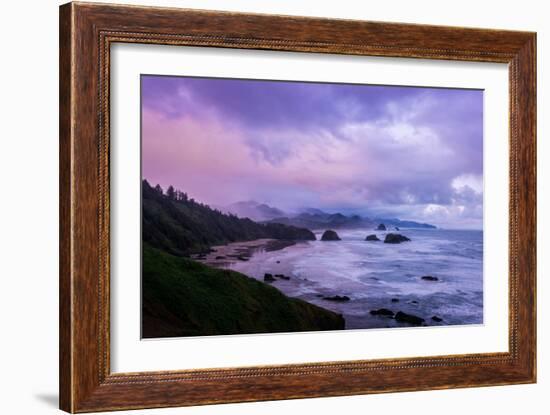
(180, 225)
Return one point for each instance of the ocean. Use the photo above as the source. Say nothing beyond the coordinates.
(375, 275)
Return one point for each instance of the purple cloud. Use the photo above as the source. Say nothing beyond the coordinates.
(410, 151)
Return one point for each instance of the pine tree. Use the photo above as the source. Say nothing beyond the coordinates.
(170, 192)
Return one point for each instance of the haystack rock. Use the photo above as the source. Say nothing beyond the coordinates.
(395, 238)
(330, 235)
(372, 238)
(381, 227)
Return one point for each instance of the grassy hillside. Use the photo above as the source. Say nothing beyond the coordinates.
(182, 297)
(181, 226)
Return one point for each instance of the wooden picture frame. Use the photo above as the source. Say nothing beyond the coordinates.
(86, 33)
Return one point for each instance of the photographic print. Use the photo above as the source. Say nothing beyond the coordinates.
(290, 206)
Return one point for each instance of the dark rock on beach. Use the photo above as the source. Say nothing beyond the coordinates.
(337, 298)
(381, 227)
(330, 235)
(395, 238)
(372, 238)
(242, 258)
(220, 257)
(268, 278)
(282, 276)
(437, 319)
(382, 312)
(429, 278)
(408, 318)
(396, 228)
(395, 300)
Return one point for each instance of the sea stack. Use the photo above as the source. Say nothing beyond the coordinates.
(395, 238)
(372, 238)
(408, 318)
(381, 227)
(330, 235)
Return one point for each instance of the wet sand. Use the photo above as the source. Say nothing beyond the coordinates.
(222, 256)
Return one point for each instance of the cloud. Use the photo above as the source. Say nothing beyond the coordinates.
(471, 181)
(415, 152)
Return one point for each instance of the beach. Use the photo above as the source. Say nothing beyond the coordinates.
(355, 277)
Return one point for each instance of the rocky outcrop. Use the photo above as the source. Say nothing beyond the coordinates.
(429, 278)
(330, 235)
(395, 238)
(282, 276)
(372, 237)
(289, 233)
(408, 318)
(337, 298)
(382, 312)
(381, 227)
(437, 319)
(269, 278)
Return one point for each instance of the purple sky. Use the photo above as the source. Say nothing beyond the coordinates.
(412, 153)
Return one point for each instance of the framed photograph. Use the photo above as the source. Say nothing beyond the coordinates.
(259, 207)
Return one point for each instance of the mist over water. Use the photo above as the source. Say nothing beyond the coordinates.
(371, 274)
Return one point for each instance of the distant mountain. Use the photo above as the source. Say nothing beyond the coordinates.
(317, 219)
(253, 210)
(313, 218)
(180, 225)
(405, 223)
(313, 211)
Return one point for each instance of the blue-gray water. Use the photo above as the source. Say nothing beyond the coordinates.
(374, 273)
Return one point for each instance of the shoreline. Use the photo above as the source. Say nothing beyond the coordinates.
(223, 255)
(267, 256)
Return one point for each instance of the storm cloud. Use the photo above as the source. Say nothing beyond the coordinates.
(411, 152)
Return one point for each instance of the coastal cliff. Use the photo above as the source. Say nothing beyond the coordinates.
(182, 297)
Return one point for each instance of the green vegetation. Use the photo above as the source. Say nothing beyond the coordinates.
(181, 226)
(182, 297)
